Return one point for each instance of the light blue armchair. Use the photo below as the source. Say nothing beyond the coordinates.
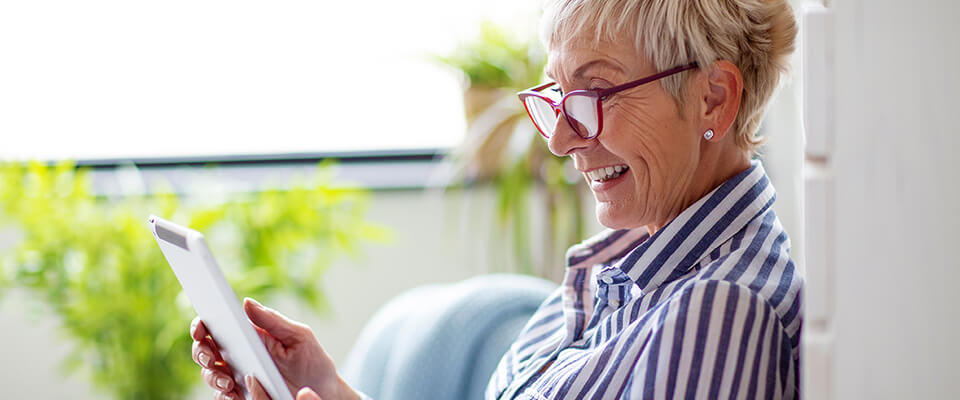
(443, 341)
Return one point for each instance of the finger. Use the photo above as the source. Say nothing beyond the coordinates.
(197, 330)
(277, 325)
(253, 387)
(218, 378)
(203, 354)
(206, 353)
(306, 393)
(234, 395)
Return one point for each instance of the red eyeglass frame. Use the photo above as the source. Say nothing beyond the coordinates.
(598, 95)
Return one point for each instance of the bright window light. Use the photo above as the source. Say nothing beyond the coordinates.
(123, 79)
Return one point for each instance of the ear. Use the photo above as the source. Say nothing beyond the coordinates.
(722, 87)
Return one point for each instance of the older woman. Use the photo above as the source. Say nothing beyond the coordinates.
(692, 292)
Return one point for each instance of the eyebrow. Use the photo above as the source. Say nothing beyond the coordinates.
(581, 70)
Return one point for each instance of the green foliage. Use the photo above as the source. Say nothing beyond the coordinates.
(498, 59)
(514, 185)
(94, 262)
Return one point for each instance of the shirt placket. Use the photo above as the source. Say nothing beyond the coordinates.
(613, 288)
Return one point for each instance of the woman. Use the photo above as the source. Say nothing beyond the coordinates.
(692, 292)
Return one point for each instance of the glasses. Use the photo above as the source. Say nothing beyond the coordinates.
(581, 108)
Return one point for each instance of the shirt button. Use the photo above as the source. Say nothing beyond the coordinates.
(606, 279)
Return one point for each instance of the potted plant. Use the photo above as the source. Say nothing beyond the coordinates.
(93, 262)
(503, 148)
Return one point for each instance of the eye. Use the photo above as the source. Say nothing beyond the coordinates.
(607, 97)
(599, 84)
(553, 92)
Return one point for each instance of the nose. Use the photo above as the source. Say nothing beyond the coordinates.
(565, 141)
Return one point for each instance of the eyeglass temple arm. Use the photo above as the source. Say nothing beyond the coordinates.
(629, 85)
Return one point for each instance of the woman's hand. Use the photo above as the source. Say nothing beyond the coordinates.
(258, 393)
(293, 347)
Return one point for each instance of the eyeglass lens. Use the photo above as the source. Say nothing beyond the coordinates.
(543, 115)
(580, 111)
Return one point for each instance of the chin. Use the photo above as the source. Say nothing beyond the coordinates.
(614, 217)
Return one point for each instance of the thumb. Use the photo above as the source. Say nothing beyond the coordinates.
(306, 393)
(271, 322)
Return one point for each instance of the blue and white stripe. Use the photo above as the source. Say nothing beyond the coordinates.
(708, 307)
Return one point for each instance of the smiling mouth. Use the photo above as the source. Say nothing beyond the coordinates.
(608, 173)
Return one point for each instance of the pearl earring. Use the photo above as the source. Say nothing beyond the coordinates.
(708, 134)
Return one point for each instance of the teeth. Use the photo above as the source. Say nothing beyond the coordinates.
(603, 174)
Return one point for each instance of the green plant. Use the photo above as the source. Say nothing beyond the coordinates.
(93, 261)
(504, 149)
(497, 58)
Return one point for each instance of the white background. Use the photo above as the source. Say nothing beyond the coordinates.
(124, 79)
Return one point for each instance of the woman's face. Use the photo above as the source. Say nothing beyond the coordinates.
(644, 135)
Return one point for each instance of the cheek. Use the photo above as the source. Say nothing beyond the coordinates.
(655, 145)
(643, 139)
(633, 119)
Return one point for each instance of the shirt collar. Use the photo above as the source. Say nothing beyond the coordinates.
(671, 252)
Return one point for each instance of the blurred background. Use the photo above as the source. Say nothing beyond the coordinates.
(339, 154)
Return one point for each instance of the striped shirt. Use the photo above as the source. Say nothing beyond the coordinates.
(708, 307)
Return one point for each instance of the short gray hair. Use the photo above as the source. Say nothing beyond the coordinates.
(755, 35)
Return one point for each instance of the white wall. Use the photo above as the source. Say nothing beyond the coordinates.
(889, 186)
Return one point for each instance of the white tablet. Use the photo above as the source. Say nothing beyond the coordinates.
(218, 307)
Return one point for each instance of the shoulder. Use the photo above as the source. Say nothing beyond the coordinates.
(706, 300)
(757, 259)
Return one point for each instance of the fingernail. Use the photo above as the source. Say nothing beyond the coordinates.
(223, 383)
(307, 393)
(255, 302)
(204, 359)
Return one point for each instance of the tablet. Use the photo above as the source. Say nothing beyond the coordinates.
(218, 307)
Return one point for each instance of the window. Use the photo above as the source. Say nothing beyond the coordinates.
(120, 79)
